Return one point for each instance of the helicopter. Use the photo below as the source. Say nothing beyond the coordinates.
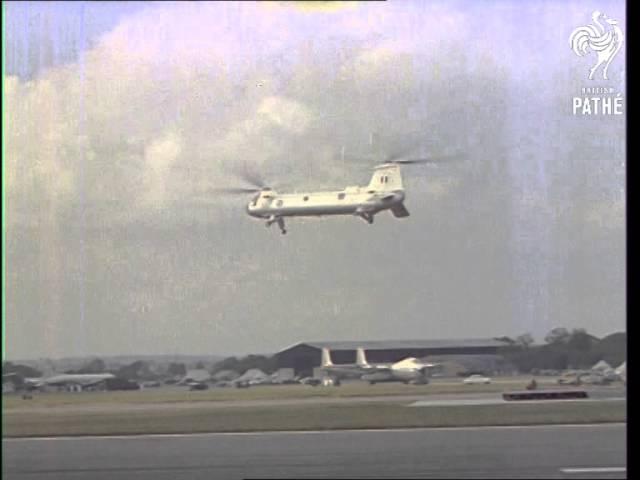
(385, 191)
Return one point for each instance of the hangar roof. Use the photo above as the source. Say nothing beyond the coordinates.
(403, 344)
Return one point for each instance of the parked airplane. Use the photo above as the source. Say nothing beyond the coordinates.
(406, 370)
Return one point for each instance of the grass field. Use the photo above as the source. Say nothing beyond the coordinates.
(347, 390)
(306, 417)
(177, 410)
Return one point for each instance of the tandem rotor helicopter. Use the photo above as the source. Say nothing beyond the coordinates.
(384, 192)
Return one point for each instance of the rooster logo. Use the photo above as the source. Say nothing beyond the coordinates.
(605, 43)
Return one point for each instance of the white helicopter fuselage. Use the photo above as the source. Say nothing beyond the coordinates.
(384, 192)
(349, 201)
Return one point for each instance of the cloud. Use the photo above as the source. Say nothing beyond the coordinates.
(159, 156)
(151, 117)
(286, 114)
(180, 96)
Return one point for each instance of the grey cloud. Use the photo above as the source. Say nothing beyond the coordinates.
(117, 245)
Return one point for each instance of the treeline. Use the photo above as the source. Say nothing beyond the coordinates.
(143, 370)
(24, 371)
(241, 365)
(564, 349)
(18, 373)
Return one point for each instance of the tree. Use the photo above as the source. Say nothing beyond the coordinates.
(136, 370)
(24, 371)
(177, 369)
(580, 340)
(200, 365)
(559, 335)
(96, 365)
(524, 340)
(266, 364)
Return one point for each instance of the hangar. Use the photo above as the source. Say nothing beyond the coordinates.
(304, 357)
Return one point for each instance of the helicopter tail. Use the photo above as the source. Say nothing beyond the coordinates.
(399, 210)
(386, 177)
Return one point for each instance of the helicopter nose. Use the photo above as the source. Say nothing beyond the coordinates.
(250, 210)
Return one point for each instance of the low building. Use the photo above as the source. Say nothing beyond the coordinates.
(305, 356)
(283, 375)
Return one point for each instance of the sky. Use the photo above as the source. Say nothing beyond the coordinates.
(122, 118)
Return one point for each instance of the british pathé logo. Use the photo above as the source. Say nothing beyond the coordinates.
(604, 41)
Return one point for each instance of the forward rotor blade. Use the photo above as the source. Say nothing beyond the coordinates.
(253, 178)
(428, 160)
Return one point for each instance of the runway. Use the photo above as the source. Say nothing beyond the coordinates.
(569, 451)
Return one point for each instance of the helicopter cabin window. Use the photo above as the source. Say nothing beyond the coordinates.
(305, 198)
(279, 203)
(341, 196)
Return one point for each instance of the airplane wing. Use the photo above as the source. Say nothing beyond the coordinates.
(400, 210)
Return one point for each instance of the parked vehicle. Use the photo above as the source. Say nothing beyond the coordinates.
(198, 386)
(476, 379)
(289, 381)
(569, 380)
(314, 382)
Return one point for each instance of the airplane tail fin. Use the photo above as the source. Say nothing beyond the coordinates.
(361, 358)
(326, 358)
(386, 177)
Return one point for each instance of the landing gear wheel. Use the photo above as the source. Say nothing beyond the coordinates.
(284, 232)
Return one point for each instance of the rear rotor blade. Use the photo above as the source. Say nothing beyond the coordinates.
(238, 190)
